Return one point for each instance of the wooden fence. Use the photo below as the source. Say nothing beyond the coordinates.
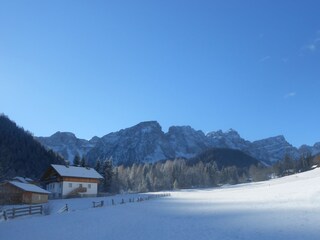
(38, 209)
(140, 198)
(22, 211)
(64, 209)
(98, 204)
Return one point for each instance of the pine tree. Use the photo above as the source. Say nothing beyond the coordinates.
(76, 160)
(83, 162)
(97, 167)
(107, 173)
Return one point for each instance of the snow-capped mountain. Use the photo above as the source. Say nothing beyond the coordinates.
(228, 139)
(310, 150)
(146, 142)
(267, 150)
(67, 144)
(186, 142)
(273, 149)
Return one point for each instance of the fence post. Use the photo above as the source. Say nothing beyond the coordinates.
(13, 212)
(112, 202)
(102, 203)
(30, 210)
(67, 209)
(5, 215)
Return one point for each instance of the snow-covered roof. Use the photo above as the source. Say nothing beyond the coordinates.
(28, 187)
(22, 179)
(71, 171)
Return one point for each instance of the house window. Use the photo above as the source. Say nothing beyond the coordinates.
(70, 185)
(89, 185)
(80, 185)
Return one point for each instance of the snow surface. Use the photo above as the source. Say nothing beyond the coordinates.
(283, 208)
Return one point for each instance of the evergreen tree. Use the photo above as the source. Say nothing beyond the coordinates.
(107, 173)
(83, 162)
(97, 166)
(76, 160)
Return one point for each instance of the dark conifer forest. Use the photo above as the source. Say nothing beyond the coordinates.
(20, 154)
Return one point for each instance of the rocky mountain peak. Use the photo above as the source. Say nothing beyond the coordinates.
(305, 150)
(276, 140)
(148, 125)
(275, 148)
(185, 141)
(230, 134)
(63, 135)
(185, 130)
(146, 142)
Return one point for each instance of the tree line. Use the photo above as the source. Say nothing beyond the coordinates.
(168, 175)
(179, 174)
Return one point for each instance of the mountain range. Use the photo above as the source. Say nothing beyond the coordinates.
(146, 142)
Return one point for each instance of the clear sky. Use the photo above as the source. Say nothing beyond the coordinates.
(94, 67)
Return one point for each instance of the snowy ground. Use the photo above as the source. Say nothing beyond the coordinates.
(285, 208)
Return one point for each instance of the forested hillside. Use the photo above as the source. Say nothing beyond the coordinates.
(178, 173)
(20, 154)
(225, 157)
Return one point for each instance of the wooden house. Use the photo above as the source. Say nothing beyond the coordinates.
(13, 192)
(71, 181)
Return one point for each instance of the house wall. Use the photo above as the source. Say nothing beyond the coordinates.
(10, 194)
(55, 188)
(77, 179)
(69, 186)
(62, 186)
(34, 198)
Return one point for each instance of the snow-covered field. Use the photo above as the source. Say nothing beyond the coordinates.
(284, 208)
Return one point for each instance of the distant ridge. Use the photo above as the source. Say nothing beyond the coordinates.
(225, 157)
(146, 142)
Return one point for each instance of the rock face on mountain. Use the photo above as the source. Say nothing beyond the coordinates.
(230, 139)
(273, 149)
(146, 142)
(305, 150)
(186, 142)
(67, 144)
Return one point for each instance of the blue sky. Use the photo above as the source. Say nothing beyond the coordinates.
(94, 67)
